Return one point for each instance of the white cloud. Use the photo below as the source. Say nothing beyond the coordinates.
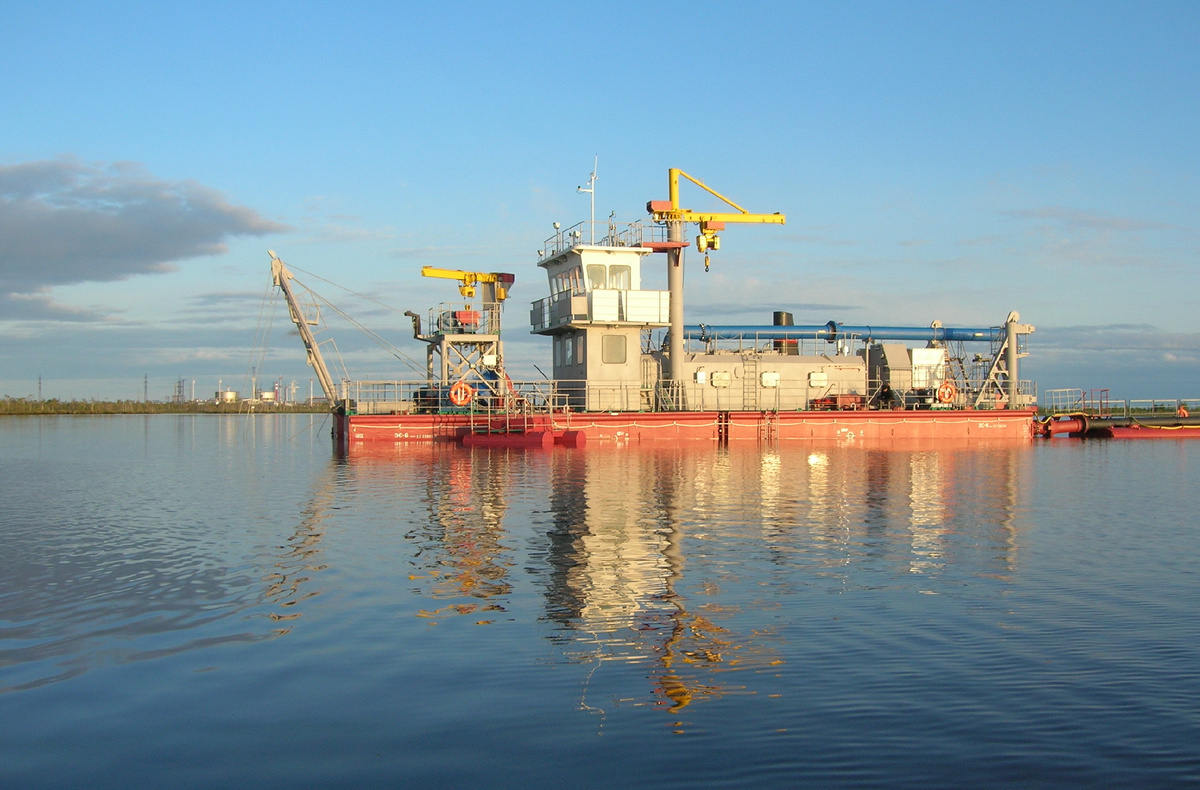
(1076, 218)
(1119, 337)
(63, 221)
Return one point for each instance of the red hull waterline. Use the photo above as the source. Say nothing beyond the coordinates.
(575, 429)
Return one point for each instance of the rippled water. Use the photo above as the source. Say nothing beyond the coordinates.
(214, 601)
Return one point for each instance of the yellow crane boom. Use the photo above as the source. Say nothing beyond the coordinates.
(500, 281)
(710, 222)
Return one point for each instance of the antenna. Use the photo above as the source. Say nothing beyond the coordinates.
(591, 190)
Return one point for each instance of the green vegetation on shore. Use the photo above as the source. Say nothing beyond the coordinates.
(19, 406)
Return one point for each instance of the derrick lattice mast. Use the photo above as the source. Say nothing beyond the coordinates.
(282, 279)
(1002, 383)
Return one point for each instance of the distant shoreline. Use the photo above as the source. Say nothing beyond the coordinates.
(18, 407)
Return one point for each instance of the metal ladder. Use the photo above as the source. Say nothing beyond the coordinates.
(770, 426)
(749, 382)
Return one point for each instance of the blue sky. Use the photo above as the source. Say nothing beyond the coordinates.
(949, 161)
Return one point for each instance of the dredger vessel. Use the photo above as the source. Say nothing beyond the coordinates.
(626, 368)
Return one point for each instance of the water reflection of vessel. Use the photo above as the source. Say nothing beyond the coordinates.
(627, 369)
(665, 574)
(615, 576)
(636, 576)
(458, 504)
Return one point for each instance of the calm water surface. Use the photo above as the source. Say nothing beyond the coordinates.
(208, 601)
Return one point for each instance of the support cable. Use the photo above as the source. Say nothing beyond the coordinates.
(384, 344)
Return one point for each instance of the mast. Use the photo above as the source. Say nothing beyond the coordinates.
(281, 277)
(591, 190)
(675, 371)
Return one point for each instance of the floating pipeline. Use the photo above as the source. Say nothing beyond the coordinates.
(1144, 427)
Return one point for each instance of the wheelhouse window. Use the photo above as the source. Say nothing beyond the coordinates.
(570, 281)
(597, 276)
(620, 277)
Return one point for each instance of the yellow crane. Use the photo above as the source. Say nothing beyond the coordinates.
(674, 217)
(498, 282)
(467, 340)
(710, 222)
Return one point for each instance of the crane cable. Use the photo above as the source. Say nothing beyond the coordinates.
(385, 345)
(262, 334)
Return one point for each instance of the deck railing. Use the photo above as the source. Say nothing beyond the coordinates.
(502, 396)
(1096, 403)
(602, 234)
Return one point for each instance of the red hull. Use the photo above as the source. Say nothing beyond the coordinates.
(574, 429)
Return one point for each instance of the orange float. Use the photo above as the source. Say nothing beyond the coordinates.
(461, 393)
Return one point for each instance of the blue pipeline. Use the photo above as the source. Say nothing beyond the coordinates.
(833, 331)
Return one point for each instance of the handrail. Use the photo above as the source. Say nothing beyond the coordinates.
(610, 234)
(1097, 404)
(500, 397)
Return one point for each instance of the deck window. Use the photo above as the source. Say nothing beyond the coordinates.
(612, 349)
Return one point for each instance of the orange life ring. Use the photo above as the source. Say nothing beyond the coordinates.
(461, 393)
(947, 392)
